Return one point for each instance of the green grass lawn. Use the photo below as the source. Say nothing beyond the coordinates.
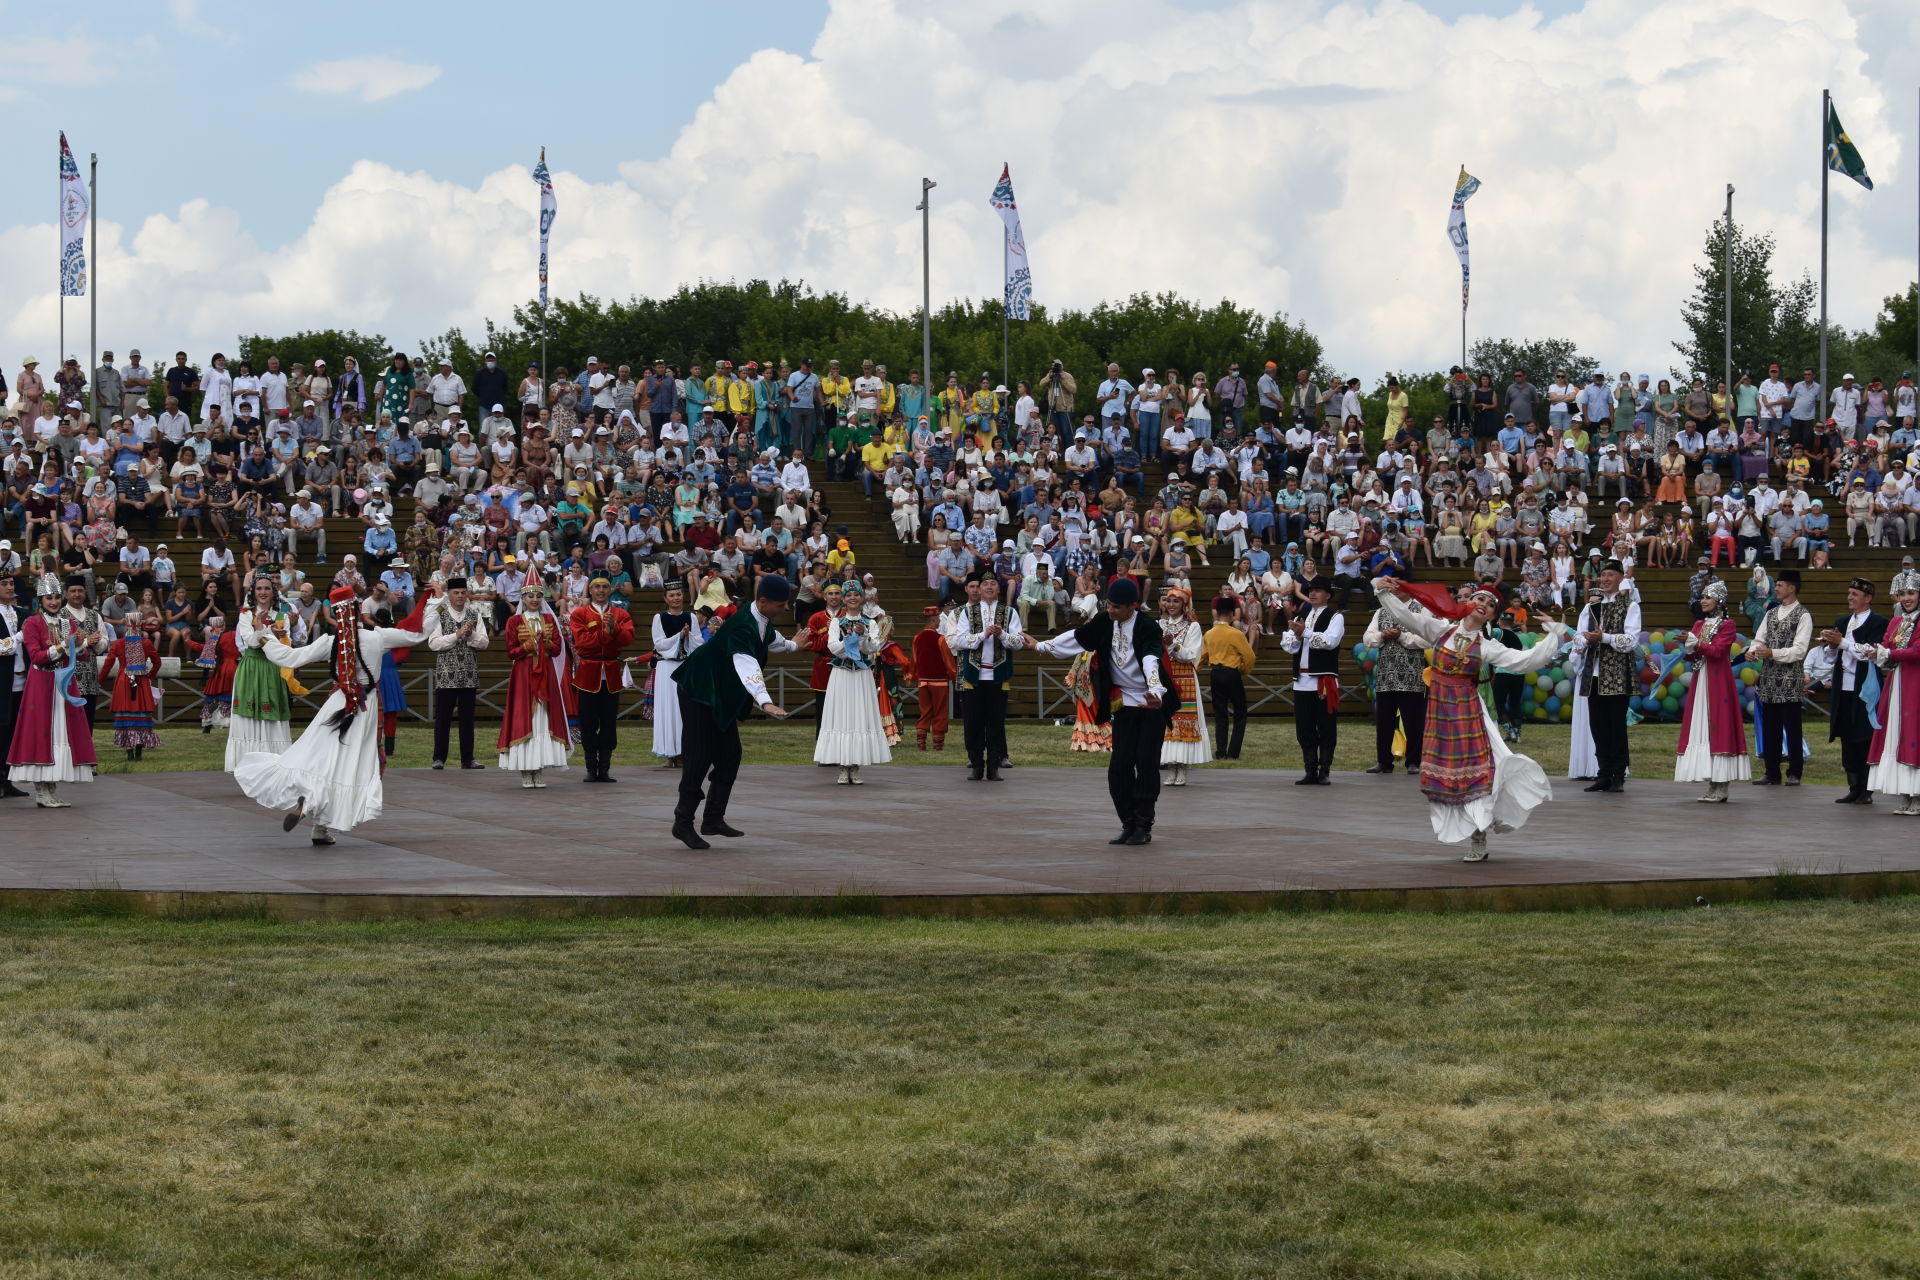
(1720, 1093)
(1269, 745)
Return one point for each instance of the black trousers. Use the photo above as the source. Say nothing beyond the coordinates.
(1784, 728)
(1229, 712)
(7, 701)
(446, 702)
(1317, 729)
(709, 759)
(1509, 698)
(599, 712)
(984, 723)
(1608, 718)
(1405, 709)
(1133, 771)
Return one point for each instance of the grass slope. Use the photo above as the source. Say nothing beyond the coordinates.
(1723, 1093)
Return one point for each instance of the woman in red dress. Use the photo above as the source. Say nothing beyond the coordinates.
(219, 657)
(130, 664)
(533, 727)
(1713, 734)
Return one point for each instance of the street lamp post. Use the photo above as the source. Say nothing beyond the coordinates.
(926, 280)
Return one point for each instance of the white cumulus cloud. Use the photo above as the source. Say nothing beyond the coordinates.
(1274, 152)
(373, 77)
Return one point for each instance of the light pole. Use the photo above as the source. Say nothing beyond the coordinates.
(1726, 249)
(926, 280)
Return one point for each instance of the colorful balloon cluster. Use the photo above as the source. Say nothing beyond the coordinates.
(1549, 693)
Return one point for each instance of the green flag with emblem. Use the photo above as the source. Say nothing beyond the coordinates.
(1842, 156)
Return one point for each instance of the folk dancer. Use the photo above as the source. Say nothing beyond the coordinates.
(1781, 644)
(129, 666)
(1582, 764)
(933, 672)
(890, 663)
(851, 734)
(219, 659)
(1896, 744)
(723, 680)
(13, 674)
(1713, 734)
(456, 631)
(262, 699)
(1185, 742)
(533, 726)
(51, 742)
(676, 633)
(814, 640)
(1313, 638)
(1609, 631)
(1399, 688)
(1130, 691)
(1850, 643)
(601, 630)
(1230, 661)
(332, 774)
(85, 622)
(1474, 782)
(986, 634)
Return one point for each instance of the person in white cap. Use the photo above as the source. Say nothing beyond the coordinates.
(447, 388)
(1846, 409)
(52, 741)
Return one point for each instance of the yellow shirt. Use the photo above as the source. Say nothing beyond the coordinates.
(1225, 645)
(836, 390)
(838, 560)
(739, 396)
(876, 456)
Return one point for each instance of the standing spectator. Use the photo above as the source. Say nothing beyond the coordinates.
(449, 391)
(1805, 409)
(109, 390)
(135, 381)
(1846, 409)
(1522, 397)
(490, 382)
(1230, 396)
(216, 389)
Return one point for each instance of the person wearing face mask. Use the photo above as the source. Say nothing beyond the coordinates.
(490, 382)
(1474, 783)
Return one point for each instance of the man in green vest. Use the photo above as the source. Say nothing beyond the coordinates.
(719, 684)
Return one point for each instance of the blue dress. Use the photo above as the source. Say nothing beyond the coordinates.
(393, 697)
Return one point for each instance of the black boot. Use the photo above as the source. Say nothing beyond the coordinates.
(717, 826)
(684, 833)
(993, 771)
(976, 771)
(1125, 836)
(1601, 782)
(1141, 835)
(386, 745)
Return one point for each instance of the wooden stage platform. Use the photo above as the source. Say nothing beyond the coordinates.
(924, 840)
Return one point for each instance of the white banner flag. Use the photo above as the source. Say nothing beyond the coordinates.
(73, 225)
(1463, 190)
(1019, 281)
(547, 210)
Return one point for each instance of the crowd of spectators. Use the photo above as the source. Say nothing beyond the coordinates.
(645, 472)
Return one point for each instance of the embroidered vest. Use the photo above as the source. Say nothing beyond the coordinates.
(455, 668)
(1781, 681)
(978, 617)
(86, 669)
(1398, 669)
(1608, 672)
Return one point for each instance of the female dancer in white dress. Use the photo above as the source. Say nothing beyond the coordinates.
(851, 734)
(263, 690)
(1895, 771)
(332, 774)
(1186, 741)
(1474, 783)
(675, 634)
(1583, 758)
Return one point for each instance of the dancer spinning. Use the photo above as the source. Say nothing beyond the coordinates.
(851, 734)
(1129, 690)
(1713, 736)
(1474, 782)
(51, 743)
(1186, 741)
(533, 728)
(722, 681)
(675, 634)
(263, 690)
(219, 658)
(332, 774)
(129, 666)
(1896, 745)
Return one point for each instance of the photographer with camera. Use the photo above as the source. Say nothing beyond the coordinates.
(1058, 389)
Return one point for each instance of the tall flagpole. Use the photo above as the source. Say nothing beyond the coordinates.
(1826, 118)
(93, 282)
(1726, 250)
(926, 282)
(1463, 308)
(1006, 326)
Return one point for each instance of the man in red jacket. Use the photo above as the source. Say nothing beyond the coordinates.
(601, 630)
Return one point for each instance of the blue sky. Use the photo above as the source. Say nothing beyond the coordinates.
(269, 167)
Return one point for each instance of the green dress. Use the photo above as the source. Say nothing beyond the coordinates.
(259, 689)
(397, 394)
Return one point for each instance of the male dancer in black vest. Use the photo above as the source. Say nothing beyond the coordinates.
(1609, 636)
(719, 684)
(1780, 645)
(1130, 689)
(985, 635)
(1859, 629)
(1313, 638)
